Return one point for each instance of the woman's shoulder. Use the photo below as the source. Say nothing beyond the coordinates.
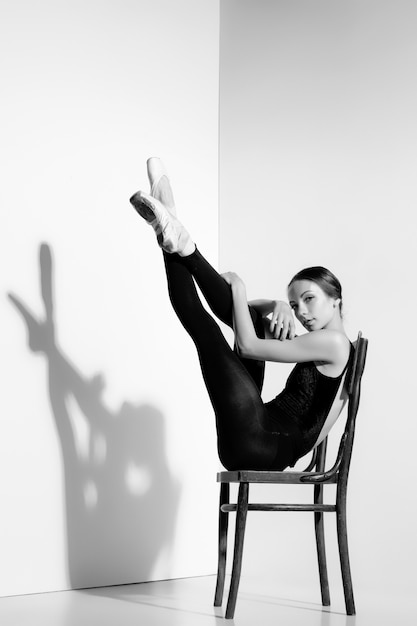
(338, 346)
(329, 336)
(326, 336)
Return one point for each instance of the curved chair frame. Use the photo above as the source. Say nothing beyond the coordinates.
(316, 475)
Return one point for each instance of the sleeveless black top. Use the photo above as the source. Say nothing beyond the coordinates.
(301, 409)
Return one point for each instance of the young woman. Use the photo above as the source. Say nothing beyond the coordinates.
(252, 434)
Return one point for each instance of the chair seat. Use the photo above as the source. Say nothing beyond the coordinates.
(252, 476)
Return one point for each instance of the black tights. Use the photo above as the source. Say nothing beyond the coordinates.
(245, 432)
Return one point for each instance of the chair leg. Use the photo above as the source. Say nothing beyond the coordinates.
(241, 513)
(321, 548)
(223, 526)
(344, 558)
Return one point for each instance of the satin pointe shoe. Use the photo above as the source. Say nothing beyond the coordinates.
(160, 186)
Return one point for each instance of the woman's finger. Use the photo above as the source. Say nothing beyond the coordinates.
(278, 326)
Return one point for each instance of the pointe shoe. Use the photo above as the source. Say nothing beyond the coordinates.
(160, 185)
(170, 233)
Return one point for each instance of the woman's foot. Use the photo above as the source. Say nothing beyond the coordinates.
(160, 185)
(170, 233)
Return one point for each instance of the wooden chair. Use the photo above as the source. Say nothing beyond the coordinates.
(315, 475)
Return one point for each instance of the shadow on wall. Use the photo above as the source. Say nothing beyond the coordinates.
(121, 501)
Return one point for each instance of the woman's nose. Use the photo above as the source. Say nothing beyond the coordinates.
(302, 309)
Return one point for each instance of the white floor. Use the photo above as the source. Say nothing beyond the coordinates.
(188, 602)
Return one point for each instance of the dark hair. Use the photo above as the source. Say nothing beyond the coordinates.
(324, 278)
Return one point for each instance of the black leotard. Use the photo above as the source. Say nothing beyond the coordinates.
(304, 404)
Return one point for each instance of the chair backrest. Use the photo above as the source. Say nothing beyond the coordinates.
(354, 391)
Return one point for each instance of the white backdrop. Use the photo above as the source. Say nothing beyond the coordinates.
(317, 120)
(318, 155)
(107, 454)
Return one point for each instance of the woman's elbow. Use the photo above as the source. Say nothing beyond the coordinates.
(246, 350)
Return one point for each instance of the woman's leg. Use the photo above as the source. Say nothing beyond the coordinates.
(240, 412)
(158, 209)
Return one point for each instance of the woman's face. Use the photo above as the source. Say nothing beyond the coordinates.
(312, 306)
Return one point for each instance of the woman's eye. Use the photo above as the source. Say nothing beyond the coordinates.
(308, 298)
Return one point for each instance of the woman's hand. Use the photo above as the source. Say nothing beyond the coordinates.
(232, 279)
(282, 324)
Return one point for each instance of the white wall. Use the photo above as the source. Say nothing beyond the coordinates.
(318, 156)
(108, 459)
